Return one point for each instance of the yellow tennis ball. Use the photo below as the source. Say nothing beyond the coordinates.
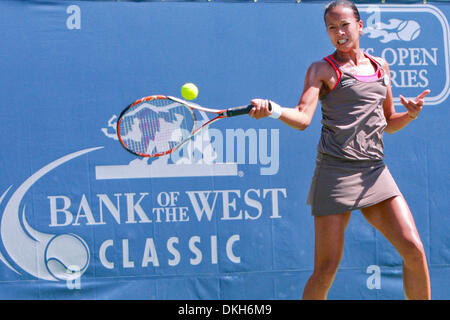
(189, 91)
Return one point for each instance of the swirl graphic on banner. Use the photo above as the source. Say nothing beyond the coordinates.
(45, 256)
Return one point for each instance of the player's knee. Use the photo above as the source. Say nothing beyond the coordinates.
(414, 252)
(327, 269)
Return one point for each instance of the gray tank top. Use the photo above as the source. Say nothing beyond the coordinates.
(352, 115)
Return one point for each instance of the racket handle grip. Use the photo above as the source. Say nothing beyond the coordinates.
(237, 111)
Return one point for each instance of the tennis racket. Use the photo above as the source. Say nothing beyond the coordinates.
(157, 125)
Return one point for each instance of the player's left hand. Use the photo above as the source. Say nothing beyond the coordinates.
(414, 106)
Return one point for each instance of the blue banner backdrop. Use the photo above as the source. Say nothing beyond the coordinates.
(225, 217)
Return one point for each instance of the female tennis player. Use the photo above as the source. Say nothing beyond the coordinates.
(350, 174)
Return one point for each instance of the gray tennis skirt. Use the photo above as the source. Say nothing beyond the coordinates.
(340, 185)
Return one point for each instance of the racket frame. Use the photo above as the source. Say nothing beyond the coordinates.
(223, 113)
(132, 105)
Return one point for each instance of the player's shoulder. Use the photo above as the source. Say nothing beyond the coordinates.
(321, 67)
(321, 63)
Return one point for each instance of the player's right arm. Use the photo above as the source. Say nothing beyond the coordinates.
(318, 79)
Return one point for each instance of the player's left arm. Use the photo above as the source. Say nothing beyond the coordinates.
(398, 120)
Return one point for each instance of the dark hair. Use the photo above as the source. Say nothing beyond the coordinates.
(346, 3)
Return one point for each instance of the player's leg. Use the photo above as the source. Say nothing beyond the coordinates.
(328, 249)
(394, 220)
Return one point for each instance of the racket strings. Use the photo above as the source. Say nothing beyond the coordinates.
(156, 126)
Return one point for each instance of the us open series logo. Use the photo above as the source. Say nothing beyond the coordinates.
(414, 40)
